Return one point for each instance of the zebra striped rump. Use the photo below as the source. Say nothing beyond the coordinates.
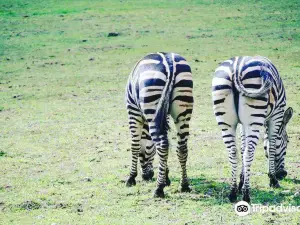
(248, 90)
(160, 85)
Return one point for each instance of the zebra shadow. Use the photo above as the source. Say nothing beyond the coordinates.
(215, 192)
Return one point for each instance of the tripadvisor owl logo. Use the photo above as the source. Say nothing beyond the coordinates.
(242, 208)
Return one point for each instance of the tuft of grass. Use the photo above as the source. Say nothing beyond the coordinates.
(28, 205)
(2, 153)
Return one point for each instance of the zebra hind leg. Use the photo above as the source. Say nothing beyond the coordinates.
(252, 137)
(226, 115)
(162, 147)
(243, 146)
(253, 118)
(136, 125)
(228, 135)
(251, 140)
(182, 127)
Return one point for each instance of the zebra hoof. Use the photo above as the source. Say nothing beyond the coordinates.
(246, 196)
(130, 182)
(148, 176)
(274, 184)
(281, 174)
(159, 193)
(168, 181)
(185, 188)
(273, 181)
(233, 196)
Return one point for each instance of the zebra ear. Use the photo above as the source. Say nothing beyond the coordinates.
(287, 115)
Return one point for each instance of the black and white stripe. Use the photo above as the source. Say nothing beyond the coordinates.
(160, 84)
(249, 90)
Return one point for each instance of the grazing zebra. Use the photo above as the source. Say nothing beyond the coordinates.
(248, 90)
(160, 84)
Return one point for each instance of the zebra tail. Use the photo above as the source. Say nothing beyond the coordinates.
(267, 83)
(161, 119)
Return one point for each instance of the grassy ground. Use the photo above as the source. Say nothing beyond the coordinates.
(64, 147)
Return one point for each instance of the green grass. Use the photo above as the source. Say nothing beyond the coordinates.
(64, 147)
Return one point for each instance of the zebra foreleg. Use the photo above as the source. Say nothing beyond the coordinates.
(148, 173)
(281, 151)
(281, 174)
(280, 171)
(273, 127)
(147, 154)
(146, 168)
(272, 174)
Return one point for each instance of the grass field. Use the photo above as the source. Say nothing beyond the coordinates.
(64, 147)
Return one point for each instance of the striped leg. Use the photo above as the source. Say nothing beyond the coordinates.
(243, 146)
(252, 137)
(162, 148)
(252, 114)
(226, 115)
(273, 126)
(279, 157)
(135, 126)
(282, 145)
(228, 134)
(147, 154)
(280, 164)
(266, 143)
(182, 152)
(181, 112)
(227, 119)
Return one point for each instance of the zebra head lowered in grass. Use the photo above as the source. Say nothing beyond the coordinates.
(248, 90)
(159, 85)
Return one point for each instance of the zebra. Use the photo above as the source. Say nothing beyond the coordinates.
(248, 90)
(160, 84)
